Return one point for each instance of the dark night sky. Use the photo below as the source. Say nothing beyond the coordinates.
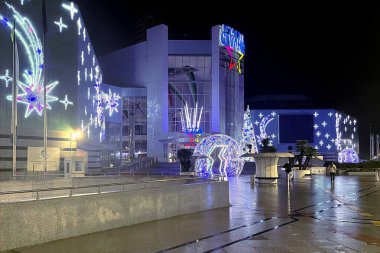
(329, 52)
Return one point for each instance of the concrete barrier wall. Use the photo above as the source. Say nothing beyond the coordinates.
(39, 221)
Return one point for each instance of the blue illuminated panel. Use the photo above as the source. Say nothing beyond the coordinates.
(230, 37)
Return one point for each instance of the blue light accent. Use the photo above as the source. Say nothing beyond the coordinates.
(231, 38)
(5, 21)
(39, 51)
(189, 131)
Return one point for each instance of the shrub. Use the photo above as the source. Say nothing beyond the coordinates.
(184, 157)
(266, 148)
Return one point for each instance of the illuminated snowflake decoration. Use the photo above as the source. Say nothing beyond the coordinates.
(153, 109)
(229, 156)
(32, 87)
(111, 101)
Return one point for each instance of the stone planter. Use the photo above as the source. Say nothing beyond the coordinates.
(266, 166)
(301, 173)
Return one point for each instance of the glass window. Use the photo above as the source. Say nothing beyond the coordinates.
(189, 83)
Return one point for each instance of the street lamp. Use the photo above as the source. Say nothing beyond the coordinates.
(74, 135)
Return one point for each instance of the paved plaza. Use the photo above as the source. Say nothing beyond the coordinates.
(309, 215)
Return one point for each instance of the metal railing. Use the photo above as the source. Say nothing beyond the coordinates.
(122, 185)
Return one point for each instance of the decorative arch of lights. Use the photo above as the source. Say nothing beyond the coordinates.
(230, 151)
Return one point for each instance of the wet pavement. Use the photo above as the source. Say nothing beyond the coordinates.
(309, 215)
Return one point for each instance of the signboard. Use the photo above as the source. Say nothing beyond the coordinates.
(230, 37)
(36, 159)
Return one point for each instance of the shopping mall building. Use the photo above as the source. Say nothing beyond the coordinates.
(138, 101)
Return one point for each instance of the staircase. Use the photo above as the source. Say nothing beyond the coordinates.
(163, 168)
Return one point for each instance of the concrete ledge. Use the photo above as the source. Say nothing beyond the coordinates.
(362, 173)
(39, 221)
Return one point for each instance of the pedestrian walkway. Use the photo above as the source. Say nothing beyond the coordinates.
(305, 216)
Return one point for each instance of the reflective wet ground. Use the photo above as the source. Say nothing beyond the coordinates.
(309, 215)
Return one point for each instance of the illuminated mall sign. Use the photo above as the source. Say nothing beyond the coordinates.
(232, 38)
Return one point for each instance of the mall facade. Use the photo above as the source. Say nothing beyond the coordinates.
(148, 99)
(204, 76)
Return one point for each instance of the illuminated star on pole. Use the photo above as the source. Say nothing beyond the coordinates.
(33, 97)
(66, 102)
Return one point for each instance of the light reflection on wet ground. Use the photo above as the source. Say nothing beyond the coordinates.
(305, 216)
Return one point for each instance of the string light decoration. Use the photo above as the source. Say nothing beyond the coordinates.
(84, 34)
(332, 131)
(153, 109)
(71, 8)
(229, 155)
(111, 101)
(32, 87)
(33, 97)
(78, 77)
(249, 139)
(348, 155)
(79, 25)
(60, 24)
(263, 126)
(66, 102)
(191, 119)
(6, 78)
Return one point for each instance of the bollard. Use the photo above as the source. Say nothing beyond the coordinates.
(377, 175)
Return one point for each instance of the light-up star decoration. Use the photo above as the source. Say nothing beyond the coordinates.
(232, 62)
(111, 101)
(71, 8)
(60, 24)
(6, 78)
(66, 102)
(32, 88)
(33, 97)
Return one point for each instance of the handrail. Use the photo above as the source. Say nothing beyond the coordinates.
(207, 180)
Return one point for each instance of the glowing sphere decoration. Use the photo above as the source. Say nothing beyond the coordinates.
(348, 155)
(229, 155)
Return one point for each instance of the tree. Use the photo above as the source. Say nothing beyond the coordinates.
(249, 139)
(305, 153)
(266, 148)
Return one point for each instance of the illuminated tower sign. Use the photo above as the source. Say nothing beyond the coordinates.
(233, 41)
(230, 37)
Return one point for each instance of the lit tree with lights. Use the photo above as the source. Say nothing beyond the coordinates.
(249, 140)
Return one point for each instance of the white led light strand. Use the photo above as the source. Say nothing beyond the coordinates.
(79, 25)
(78, 77)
